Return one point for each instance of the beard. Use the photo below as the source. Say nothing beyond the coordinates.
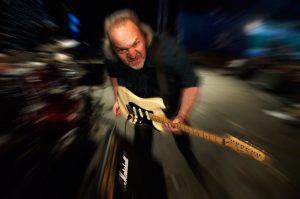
(137, 62)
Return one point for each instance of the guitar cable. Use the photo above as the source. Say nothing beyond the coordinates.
(128, 118)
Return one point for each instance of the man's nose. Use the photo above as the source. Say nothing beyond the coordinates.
(131, 53)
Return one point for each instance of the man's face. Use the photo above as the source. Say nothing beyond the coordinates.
(129, 44)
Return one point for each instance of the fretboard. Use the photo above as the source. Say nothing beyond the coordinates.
(187, 129)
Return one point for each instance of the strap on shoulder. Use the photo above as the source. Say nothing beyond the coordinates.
(160, 71)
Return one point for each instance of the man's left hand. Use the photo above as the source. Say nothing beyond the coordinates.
(171, 128)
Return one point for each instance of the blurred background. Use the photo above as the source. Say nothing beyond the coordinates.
(58, 138)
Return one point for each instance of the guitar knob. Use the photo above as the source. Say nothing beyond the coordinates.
(141, 113)
(147, 115)
(134, 111)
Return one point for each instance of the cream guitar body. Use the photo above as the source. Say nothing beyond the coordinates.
(155, 106)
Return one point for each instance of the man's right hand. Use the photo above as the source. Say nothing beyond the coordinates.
(116, 109)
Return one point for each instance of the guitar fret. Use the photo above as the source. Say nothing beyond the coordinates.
(193, 131)
(199, 133)
(186, 128)
(196, 132)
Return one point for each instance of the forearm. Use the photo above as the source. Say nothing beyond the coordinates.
(188, 99)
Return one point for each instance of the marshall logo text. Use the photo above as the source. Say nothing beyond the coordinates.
(124, 171)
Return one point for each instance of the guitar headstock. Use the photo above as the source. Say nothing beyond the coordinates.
(245, 147)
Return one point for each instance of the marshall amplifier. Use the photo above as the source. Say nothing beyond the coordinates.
(119, 171)
(108, 173)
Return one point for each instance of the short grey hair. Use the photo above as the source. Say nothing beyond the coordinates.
(119, 17)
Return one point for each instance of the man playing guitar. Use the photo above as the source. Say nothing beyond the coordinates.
(136, 59)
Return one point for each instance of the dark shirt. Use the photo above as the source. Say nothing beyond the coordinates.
(144, 83)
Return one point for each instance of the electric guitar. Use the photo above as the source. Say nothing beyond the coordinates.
(149, 111)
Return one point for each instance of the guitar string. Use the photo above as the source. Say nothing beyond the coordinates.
(203, 134)
(125, 128)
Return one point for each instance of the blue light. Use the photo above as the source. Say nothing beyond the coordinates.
(265, 30)
(73, 19)
(74, 28)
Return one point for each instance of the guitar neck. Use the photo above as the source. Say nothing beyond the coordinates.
(229, 141)
(193, 131)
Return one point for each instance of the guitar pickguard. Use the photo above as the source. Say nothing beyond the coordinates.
(128, 100)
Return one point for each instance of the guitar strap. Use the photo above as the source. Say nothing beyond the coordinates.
(160, 72)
